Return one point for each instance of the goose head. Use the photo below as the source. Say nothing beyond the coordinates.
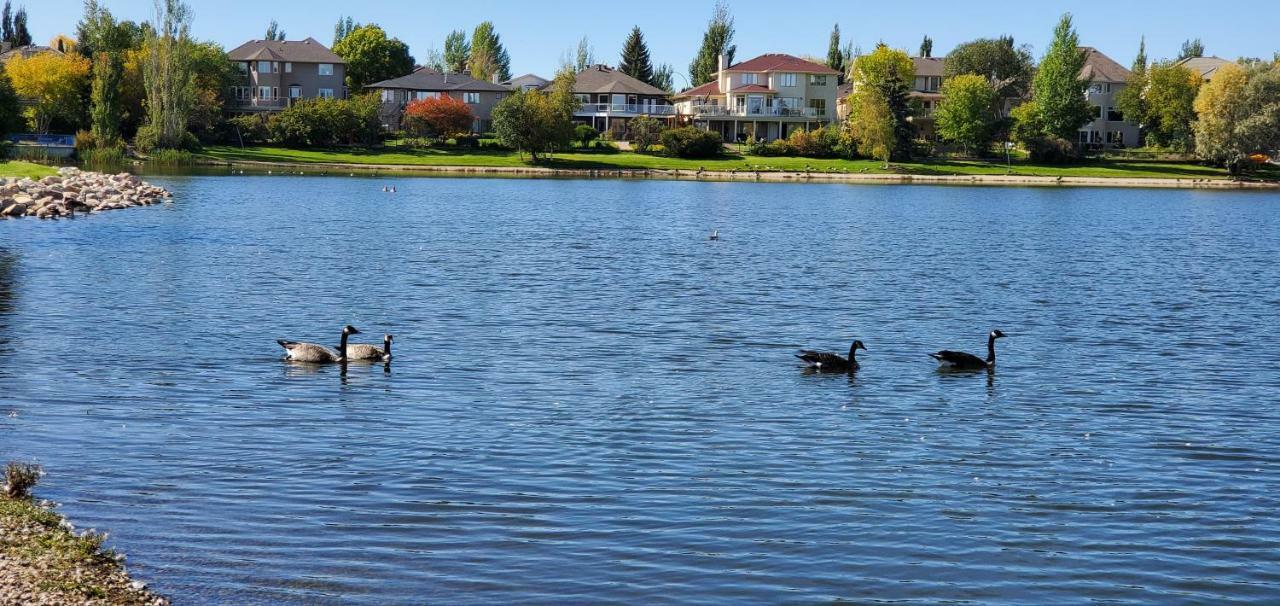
(386, 339)
(859, 345)
(996, 334)
(350, 330)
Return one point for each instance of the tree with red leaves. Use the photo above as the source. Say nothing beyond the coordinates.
(439, 117)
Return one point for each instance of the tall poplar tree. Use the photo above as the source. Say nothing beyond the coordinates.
(168, 73)
(6, 23)
(456, 51)
(926, 47)
(488, 55)
(636, 61)
(835, 55)
(718, 40)
(21, 37)
(274, 32)
(1058, 91)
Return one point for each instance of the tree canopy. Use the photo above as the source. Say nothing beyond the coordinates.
(926, 47)
(1190, 49)
(274, 32)
(636, 61)
(456, 51)
(1058, 90)
(1009, 68)
(718, 40)
(51, 82)
(488, 56)
(965, 115)
(538, 122)
(372, 57)
(1238, 114)
(438, 117)
(1170, 96)
(889, 73)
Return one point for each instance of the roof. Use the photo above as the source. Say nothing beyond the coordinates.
(28, 51)
(753, 88)
(295, 51)
(526, 80)
(929, 66)
(604, 79)
(1205, 66)
(426, 79)
(779, 62)
(1101, 68)
(706, 90)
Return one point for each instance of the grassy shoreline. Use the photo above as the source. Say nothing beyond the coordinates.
(20, 169)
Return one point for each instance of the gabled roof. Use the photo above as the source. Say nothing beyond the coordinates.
(295, 51)
(779, 62)
(1205, 66)
(526, 80)
(706, 90)
(929, 66)
(28, 51)
(1101, 68)
(426, 79)
(604, 79)
(753, 88)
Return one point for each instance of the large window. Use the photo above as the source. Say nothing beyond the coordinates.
(787, 80)
(1115, 115)
(326, 93)
(326, 69)
(471, 98)
(422, 94)
(264, 67)
(295, 92)
(749, 79)
(288, 68)
(819, 106)
(264, 92)
(817, 80)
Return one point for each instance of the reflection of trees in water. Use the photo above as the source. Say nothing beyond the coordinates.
(8, 281)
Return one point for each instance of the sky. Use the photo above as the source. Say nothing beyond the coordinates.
(538, 33)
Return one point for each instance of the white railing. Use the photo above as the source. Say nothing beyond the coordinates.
(259, 102)
(763, 112)
(627, 108)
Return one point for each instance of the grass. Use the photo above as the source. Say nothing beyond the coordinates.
(627, 160)
(18, 168)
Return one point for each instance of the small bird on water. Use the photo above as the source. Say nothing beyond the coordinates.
(715, 235)
(823, 361)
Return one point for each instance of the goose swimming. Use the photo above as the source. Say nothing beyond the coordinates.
(315, 353)
(823, 361)
(959, 360)
(715, 235)
(364, 351)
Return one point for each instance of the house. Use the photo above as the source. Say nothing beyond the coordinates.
(1106, 79)
(7, 51)
(1205, 66)
(609, 99)
(765, 98)
(925, 95)
(277, 73)
(426, 83)
(526, 82)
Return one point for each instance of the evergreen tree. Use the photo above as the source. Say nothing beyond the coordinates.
(926, 47)
(6, 23)
(345, 26)
(1140, 61)
(488, 55)
(1191, 48)
(1059, 93)
(664, 78)
(835, 56)
(273, 32)
(456, 51)
(1131, 101)
(635, 58)
(718, 40)
(21, 37)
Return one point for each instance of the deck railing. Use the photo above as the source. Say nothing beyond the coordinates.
(763, 112)
(627, 108)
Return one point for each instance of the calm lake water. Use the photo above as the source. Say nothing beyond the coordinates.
(592, 402)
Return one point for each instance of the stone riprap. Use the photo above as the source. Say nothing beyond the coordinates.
(74, 191)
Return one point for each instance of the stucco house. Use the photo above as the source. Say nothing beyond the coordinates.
(1106, 79)
(277, 73)
(426, 83)
(765, 98)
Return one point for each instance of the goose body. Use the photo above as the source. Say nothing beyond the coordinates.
(316, 353)
(364, 351)
(715, 235)
(959, 360)
(824, 361)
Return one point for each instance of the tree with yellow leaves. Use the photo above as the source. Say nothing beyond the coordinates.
(51, 85)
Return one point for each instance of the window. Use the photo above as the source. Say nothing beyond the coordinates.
(1115, 115)
(241, 67)
(819, 106)
(264, 92)
(275, 66)
(472, 98)
(295, 92)
(787, 80)
(326, 93)
(388, 95)
(326, 69)
(749, 79)
(817, 80)
(1096, 111)
(275, 93)
(264, 67)
(583, 98)
(288, 68)
(422, 94)
(1084, 136)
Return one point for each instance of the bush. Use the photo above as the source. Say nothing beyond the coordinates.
(690, 142)
(148, 138)
(20, 478)
(437, 117)
(584, 134)
(646, 131)
(328, 122)
(1050, 149)
(250, 129)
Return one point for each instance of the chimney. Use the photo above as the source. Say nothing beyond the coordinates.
(720, 63)
(494, 77)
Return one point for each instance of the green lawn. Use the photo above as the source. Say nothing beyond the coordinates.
(627, 160)
(17, 168)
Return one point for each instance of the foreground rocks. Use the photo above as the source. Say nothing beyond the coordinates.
(75, 191)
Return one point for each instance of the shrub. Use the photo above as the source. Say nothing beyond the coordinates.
(251, 129)
(327, 122)
(691, 142)
(439, 117)
(20, 478)
(148, 138)
(584, 134)
(645, 133)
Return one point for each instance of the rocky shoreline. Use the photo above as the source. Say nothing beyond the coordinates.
(74, 190)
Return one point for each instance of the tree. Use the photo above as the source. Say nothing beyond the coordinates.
(6, 23)
(965, 116)
(51, 83)
(345, 26)
(274, 32)
(871, 123)
(488, 56)
(536, 121)
(456, 51)
(1009, 68)
(835, 56)
(1191, 48)
(372, 57)
(1170, 97)
(1058, 90)
(926, 47)
(170, 82)
(212, 77)
(646, 131)
(664, 78)
(1238, 115)
(434, 60)
(10, 111)
(718, 40)
(585, 55)
(439, 117)
(890, 73)
(21, 37)
(635, 58)
(1131, 100)
(106, 42)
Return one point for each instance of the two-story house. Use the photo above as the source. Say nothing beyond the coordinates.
(277, 73)
(1106, 79)
(926, 94)
(609, 99)
(764, 98)
(426, 83)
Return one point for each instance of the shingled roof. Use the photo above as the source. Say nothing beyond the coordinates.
(605, 79)
(426, 79)
(294, 51)
(929, 66)
(1101, 68)
(1205, 66)
(780, 62)
(706, 90)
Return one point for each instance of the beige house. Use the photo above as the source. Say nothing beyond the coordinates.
(1106, 79)
(925, 95)
(277, 73)
(766, 98)
(426, 83)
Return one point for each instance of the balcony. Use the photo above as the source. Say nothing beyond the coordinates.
(263, 104)
(597, 109)
(711, 111)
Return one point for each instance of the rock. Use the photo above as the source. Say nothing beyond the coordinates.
(14, 210)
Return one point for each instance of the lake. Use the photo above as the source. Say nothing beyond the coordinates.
(591, 402)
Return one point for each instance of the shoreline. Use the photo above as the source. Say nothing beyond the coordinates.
(758, 176)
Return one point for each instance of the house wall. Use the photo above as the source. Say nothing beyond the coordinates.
(305, 75)
(483, 110)
(1103, 132)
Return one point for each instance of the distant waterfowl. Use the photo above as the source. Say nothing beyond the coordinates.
(715, 235)
(393, 189)
(384, 189)
(823, 361)
(364, 351)
(315, 353)
(959, 360)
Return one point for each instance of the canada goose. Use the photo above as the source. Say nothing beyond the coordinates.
(393, 189)
(715, 235)
(959, 360)
(364, 351)
(319, 354)
(384, 189)
(823, 361)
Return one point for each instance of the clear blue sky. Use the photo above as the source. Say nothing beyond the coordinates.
(538, 32)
